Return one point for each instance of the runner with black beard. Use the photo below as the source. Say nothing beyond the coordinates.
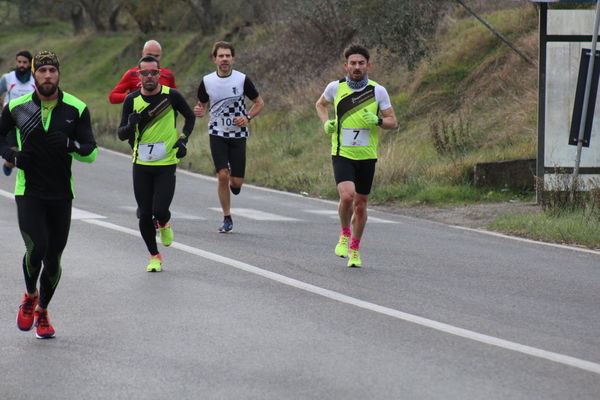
(53, 128)
(13, 84)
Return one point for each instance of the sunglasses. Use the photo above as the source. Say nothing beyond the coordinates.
(152, 72)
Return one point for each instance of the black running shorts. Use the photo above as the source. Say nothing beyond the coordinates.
(361, 172)
(229, 153)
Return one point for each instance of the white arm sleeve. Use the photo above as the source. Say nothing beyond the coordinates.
(382, 97)
(3, 87)
(331, 91)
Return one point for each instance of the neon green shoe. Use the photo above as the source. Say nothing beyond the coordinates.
(341, 249)
(155, 264)
(166, 235)
(354, 258)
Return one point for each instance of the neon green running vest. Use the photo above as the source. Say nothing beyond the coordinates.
(161, 129)
(353, 138)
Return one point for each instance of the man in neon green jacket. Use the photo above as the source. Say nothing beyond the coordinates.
(52, 128)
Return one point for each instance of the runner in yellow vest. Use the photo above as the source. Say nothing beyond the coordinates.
(358, 103)
(148, 123)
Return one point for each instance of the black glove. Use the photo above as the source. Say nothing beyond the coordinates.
(127, 132)
(18, 158)
(21, 160)
(56, 140)
(9, 155)
(133, 119)
(60, 140)
(72, 145)
(180, 145)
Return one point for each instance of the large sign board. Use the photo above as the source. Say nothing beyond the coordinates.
(564, 36)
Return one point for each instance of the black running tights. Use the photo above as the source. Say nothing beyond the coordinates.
(44, 226)
(154, 187)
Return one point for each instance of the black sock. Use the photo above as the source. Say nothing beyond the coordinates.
(227, 218)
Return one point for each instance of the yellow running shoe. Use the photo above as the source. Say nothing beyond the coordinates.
(166, 235)
(341, 249)
(354, 258)
(155, 264)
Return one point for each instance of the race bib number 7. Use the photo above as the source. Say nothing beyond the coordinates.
(152, 151)
(355, 137)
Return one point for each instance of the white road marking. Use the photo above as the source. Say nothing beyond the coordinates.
(77, 213)
(174, 214)
(9, 195)
(256, 214)
(520, 239)
(415, 319)
(214, 179)
(6, 194)
(334, 214)
(439, 326)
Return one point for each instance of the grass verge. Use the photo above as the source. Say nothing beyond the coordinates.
(580, 227)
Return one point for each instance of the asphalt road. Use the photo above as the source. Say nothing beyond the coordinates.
(269, 312)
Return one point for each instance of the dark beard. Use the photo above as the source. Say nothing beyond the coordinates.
(23, 75)
(45, 91)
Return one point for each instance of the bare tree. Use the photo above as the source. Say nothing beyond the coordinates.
(114, 13)
(96, 14)
(204, 13)
(94, 10)
(26, 10)
(147, 15)
(404, 27)
(78, 19)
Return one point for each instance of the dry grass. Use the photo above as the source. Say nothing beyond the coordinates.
(476, 78)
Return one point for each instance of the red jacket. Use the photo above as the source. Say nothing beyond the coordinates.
(131, 82)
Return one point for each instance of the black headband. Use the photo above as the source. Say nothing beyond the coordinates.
(44, 58)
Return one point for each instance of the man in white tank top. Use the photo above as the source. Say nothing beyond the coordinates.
(225, 90)
(13, 84)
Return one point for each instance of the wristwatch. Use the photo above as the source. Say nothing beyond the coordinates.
(248, 117)
(379, 121)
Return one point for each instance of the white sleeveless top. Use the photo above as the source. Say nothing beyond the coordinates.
(13, 87)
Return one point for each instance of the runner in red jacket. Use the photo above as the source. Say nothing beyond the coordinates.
(131, 82)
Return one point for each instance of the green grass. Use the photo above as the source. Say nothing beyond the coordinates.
(576, 227)
(441, 195)
(470, 76)
(287, 150)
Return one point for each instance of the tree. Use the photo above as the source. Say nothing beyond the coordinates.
(94, 10)
(114, 13)
(100, 13)
(26, 10)
(402, 27)
(204, 13)
(147, 14)
(78, 19)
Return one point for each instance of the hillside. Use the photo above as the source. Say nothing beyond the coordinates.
(472, 100)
